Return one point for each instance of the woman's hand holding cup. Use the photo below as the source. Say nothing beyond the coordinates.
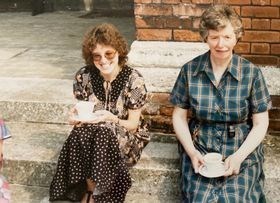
(213, 162)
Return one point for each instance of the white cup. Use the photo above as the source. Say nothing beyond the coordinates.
(213, 162)
(84, 109)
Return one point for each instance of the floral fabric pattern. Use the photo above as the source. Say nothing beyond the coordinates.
(102, 152)
(126, 92)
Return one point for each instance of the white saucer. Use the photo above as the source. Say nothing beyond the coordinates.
(89, 118)
(217, 173)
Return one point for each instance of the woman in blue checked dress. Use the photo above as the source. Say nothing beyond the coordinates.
(228, 101)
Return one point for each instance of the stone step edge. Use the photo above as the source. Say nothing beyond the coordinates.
(144, 179)
(33, 194)
(60, 90)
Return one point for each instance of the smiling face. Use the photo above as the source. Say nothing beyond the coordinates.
(221, 42)
(106, 59)
(107, 36)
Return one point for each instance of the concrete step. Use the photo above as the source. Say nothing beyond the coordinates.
(32, 152)
(39, 99)
(49, 100)
(31, 155)
(31, 194)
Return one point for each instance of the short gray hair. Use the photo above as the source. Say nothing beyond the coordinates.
(217, 17)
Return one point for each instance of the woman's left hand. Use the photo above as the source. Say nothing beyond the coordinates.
(232, 165)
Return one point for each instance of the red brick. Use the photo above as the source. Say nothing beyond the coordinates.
(237, 9)
(274, 125)
(275, 100)
(156, 22)
(275, 49)
(233, 2)
(151, 109)
(260, 48)
(263, 60)
(187, 10)
(166, 111)
(275, 2)
(154, 34)
(202, 1)
(186, 23)
(186, 35)
(275, 24)
(172, 22)
(260, 11)
(168, 22)
(261, 2)
(140, 22)
(274, 114)
(170, 1)
(163, 123)
(261, 24)
(153, 9)
(196, 22)
(159, 98)
(142, 1)
(247, 23)
(261, 36)
(243, 48)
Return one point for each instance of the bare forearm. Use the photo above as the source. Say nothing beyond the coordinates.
(130, 125)
(255, 137)
(132, 122)
(182, 130)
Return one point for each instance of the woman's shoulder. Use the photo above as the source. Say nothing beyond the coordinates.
(133, 72)
(196, 63)
(135, 77)
(247, 66)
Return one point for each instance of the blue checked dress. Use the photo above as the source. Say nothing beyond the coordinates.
(241, 92)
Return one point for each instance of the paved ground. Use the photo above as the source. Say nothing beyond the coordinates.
(48, 45)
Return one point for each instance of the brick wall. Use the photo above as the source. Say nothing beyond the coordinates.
(178, 20)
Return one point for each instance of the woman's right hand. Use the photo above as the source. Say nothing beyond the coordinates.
(196, 159)
(72, 114)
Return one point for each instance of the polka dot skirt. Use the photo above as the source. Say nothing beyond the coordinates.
(91, 152)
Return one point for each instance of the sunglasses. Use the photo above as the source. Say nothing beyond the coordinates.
(109, 55)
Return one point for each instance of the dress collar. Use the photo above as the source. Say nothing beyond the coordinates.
(234, 67)
(117, 85)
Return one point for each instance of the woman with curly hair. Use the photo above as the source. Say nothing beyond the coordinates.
(94, 161)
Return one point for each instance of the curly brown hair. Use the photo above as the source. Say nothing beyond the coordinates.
(217, 17)
(104, 34)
